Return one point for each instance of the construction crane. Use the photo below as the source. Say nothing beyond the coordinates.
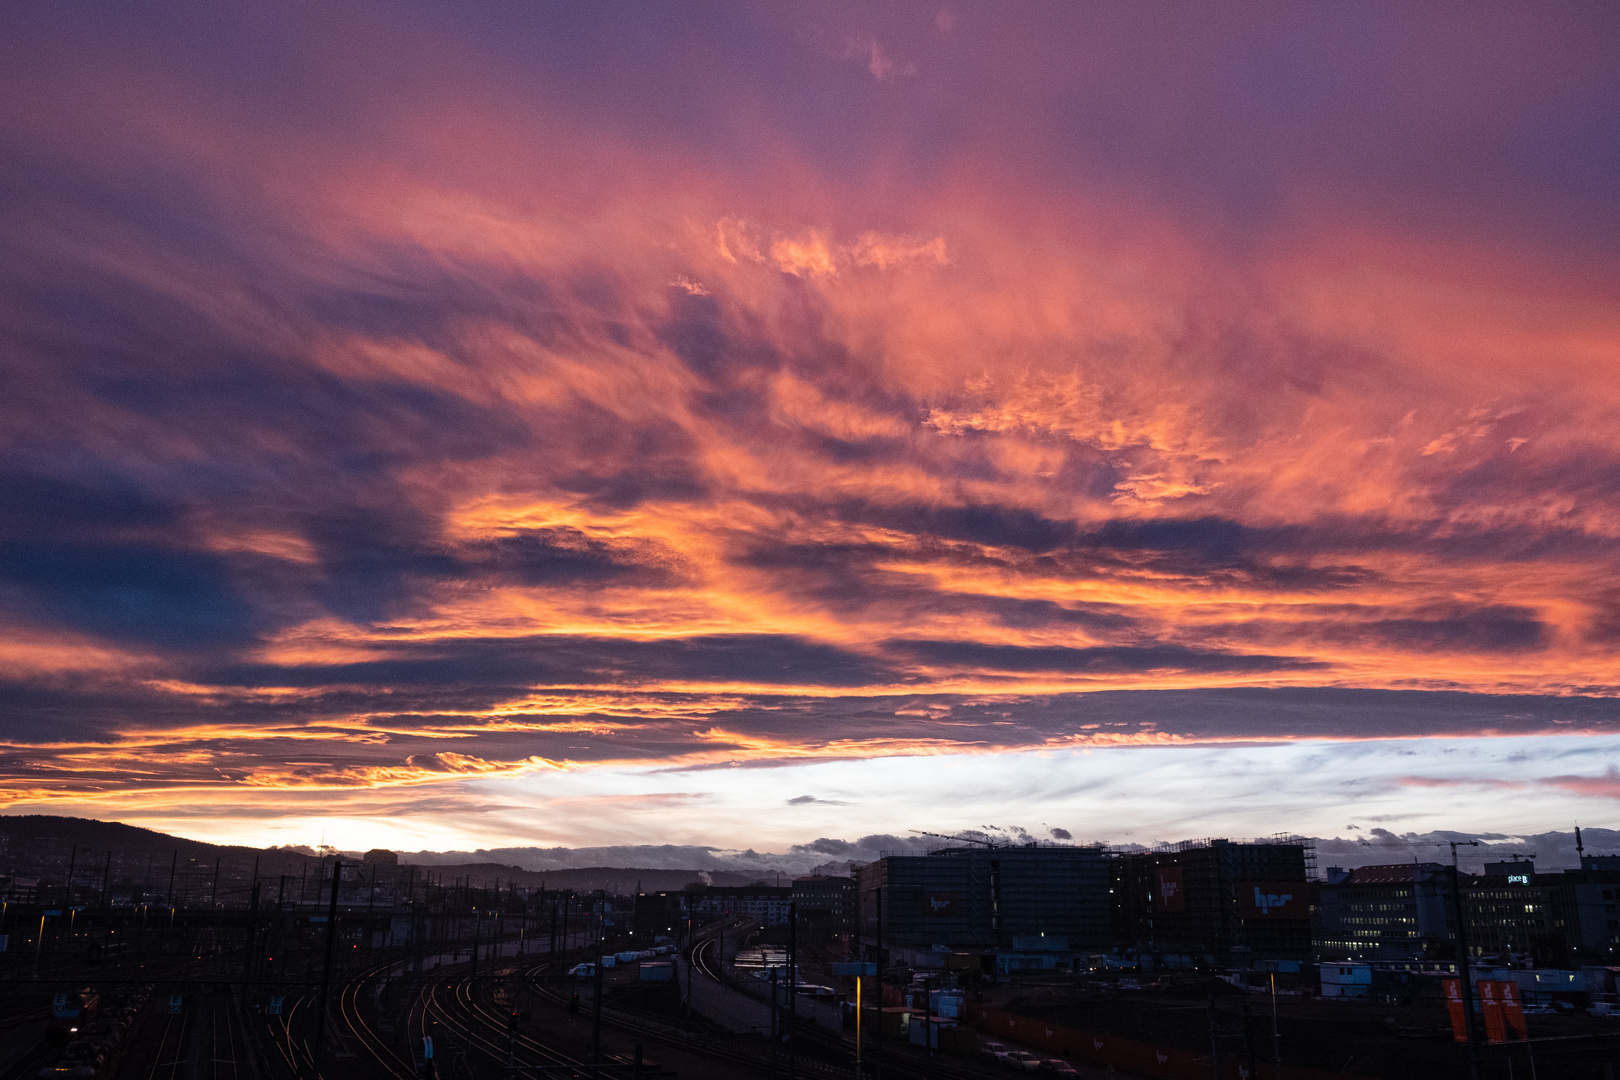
(991, 844)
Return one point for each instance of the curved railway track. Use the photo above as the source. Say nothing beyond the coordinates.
(458, 1009)
(472, 1038)
(351, 1015)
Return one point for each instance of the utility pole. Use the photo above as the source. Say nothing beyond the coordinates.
(253, 931)
(793, 990)
(1276, 1037)
(859, 1008)
(1463, 976)
(596, 1011)
(67, 899)
(1248, 1031)
(213, 898)
(879, 1070)
(174, 864)
(326, 972)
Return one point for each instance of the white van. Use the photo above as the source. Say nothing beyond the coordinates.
(583, 971)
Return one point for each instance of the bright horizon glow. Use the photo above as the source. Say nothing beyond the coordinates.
(1123, 795)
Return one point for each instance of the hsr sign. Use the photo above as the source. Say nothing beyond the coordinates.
(1273, 900)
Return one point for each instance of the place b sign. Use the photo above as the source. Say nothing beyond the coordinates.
(1272, 900)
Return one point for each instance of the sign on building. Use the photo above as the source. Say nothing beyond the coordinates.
(1273, 900)
(939, 905)
(1168, 892)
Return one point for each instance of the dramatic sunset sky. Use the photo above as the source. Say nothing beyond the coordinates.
(572, 424)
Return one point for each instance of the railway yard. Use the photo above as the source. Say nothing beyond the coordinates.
(470, 992)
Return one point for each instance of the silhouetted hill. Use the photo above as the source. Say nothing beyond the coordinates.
(90, 834)
(42, 843)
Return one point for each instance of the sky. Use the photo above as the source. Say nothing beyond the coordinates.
(454, 426)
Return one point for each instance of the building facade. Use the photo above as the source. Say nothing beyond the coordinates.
(1216, 901)
(767, 903)
(1395, 912)
(826, 904)
(981, 898)
(1513, 914)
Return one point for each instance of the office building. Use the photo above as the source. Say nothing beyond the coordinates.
(1215, 901)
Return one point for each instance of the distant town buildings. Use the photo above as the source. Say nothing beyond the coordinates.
(1227, 903)
(1047, 906)
(1405, 912)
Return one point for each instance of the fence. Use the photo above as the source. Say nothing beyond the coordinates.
(1126, 1055)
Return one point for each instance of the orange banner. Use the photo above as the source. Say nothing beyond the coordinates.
(1512, 1009)
(1454, 1005)
(1490, 1006)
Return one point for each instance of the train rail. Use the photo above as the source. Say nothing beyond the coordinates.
(896, 1064)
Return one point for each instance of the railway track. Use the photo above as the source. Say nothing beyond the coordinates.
(294, 1052)
(460, 1011)
(351, 1016)
(229, 1053)
(170, 1053)
(897, 1064)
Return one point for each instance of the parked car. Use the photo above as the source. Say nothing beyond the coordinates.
(1021, 1061)
(1059, 1067)
(993, 1050)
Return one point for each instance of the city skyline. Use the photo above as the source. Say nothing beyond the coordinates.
(440, 429)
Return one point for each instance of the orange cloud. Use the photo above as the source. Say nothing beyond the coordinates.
(434, 431)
